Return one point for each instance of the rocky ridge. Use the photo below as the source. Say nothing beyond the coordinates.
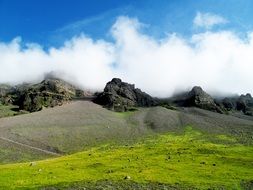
(117, 96)
(242, 103)
(33, 97)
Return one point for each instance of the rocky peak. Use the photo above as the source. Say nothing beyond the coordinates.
(56, 86)
(116, 81)
(196, 90)
(120, 96)
(245, 104)
(48, 93)
(199, 98)
(248, 95)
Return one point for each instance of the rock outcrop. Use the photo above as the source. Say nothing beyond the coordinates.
(121, 96)
(199, 98)
(229, 103)
(4, 91)
(48, 93)
(33, 97)
(243, 103)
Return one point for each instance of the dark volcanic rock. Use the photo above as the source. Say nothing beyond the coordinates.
(199, 98)
(121, 96)
(245, 104)
(242, 103)
(48, 93)
(229, 103)
(33, 97)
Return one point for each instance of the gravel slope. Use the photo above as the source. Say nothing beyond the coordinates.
(81, 124)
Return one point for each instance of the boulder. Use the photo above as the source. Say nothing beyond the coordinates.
(121, 96)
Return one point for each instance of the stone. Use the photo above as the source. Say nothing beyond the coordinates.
(127, 177)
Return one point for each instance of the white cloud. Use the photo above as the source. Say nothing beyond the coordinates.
(81, 60)
(217, 61)
(208, 20)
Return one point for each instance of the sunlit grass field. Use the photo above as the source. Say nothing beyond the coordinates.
(169, 160)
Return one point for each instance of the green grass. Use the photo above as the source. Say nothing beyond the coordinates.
(124, 114)
(7, 110)
(182, 161)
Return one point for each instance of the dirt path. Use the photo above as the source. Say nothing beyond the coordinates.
(30, 147)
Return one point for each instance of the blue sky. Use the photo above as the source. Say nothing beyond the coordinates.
(51, 22)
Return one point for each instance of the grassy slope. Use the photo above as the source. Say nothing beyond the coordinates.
(80, 125)
(10, 153)
(183, 161)
(71, 128)
(6, 111)
(66, 129)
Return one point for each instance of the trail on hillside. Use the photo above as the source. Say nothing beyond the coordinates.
(30, 147)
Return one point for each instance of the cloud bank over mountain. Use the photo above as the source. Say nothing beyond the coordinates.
(216, 60)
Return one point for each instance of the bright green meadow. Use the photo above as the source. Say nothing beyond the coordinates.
(185, 161)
